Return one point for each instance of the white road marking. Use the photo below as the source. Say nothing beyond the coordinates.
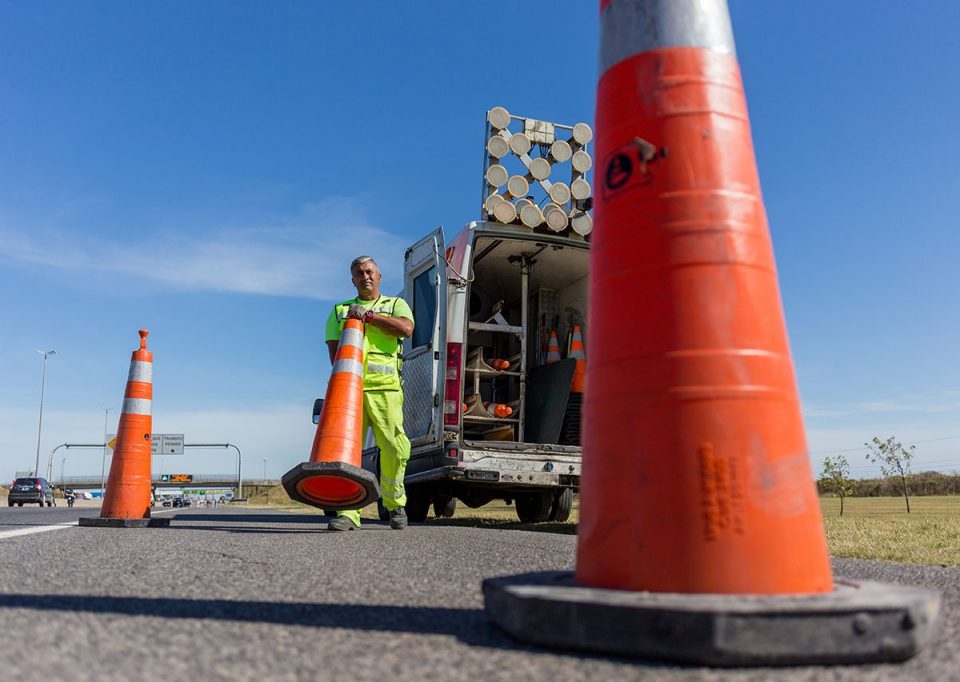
(35, 529)
(57, 526)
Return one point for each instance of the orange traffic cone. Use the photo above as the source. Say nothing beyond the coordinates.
(333, 478)
(126, 501)
(576, 351)
(696, 486)
(499, 410)
(553, 349)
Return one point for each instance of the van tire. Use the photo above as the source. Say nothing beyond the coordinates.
(444, 506)
(418, 505)
(562, 505)
(534, 507)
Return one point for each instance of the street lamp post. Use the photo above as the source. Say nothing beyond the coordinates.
(63, 461)
(43, 383)
(103, 459)
(264, 468)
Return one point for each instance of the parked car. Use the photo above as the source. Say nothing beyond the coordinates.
(32, 490)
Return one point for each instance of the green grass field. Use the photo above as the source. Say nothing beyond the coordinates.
(870, 528)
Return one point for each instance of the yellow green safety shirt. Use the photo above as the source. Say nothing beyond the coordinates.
(381, 352)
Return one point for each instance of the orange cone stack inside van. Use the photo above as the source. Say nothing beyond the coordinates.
(333, 478)
(576, 351)
(553, 349)
(126, 501)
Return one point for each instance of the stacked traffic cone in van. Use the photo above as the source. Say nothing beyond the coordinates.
(334, 478)
(553, 348)
(700, 536)
(573, 415)
(126, 501)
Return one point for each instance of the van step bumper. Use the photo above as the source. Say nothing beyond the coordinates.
(513, 478)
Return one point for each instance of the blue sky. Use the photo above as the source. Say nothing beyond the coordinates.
(207, 170)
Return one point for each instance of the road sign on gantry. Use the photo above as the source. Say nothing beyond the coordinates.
(166, 444)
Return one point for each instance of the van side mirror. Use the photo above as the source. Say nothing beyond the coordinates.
(317, 409)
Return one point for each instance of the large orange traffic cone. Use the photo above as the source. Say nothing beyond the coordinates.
(576, 351)
(696, 486)
(334, 478)
(553, 349)
(126, 501)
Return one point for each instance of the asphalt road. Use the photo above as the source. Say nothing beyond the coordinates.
(249, 594)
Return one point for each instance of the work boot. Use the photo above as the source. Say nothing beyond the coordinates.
(342, 523)
(398, 518)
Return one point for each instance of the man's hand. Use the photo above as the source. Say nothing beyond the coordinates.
(357, 311)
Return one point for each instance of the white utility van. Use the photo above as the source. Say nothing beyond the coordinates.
(494, 293)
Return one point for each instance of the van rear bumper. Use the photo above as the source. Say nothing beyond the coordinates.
(494, 476)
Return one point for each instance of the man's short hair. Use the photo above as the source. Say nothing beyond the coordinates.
(360, 260)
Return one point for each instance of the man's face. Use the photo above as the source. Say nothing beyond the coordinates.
(366, 278)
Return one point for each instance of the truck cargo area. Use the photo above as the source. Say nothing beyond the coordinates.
(522, 290)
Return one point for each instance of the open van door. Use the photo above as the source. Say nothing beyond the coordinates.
(424, 353)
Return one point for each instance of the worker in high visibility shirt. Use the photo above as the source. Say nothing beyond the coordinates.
(387, 321)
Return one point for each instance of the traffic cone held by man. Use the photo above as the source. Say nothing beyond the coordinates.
(334, 478)
(696, 487)
(126, 501)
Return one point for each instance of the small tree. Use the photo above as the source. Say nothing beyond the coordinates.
(835, 478)
(894, 460)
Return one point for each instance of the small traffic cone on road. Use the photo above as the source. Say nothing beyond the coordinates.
(553, 348)
(700, 535)
(126, 501)
(334, 478)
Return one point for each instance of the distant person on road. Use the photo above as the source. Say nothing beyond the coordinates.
(387, 321)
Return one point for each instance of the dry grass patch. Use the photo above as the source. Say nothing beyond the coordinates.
(880, 528)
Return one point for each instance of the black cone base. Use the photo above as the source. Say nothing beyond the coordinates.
(856, 623)
(124, 523)
(335, 486)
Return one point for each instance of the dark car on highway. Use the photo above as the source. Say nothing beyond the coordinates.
(32, 490)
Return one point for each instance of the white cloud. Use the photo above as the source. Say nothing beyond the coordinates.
(906, 404)
(304, 256)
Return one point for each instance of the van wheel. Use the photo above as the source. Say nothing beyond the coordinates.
(418, 506)
(534, 507)
(19, 504)
(444, 506)
(9, 503)
(562, 505)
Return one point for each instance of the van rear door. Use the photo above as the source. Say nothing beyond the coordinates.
(424, 353)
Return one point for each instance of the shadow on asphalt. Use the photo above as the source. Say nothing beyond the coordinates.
(250, 518)
(502, 524)
(229, 523)
(470, 626)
